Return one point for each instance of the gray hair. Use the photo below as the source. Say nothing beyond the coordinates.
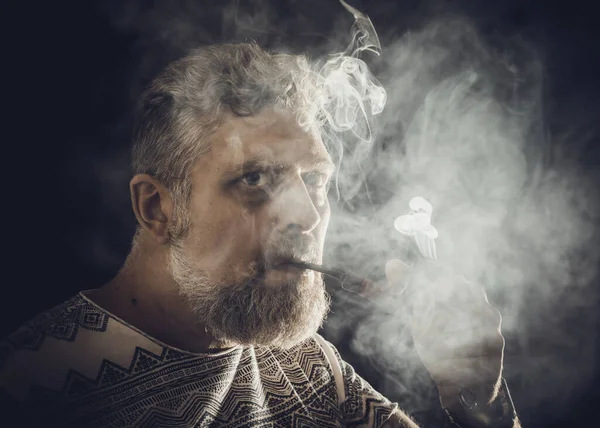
(185, 104)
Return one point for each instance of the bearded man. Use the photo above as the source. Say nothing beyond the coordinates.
(208, 323)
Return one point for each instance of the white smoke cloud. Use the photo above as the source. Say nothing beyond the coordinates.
(462, 129)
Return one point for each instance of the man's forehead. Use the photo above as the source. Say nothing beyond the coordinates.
(270, 137)
(271, 124)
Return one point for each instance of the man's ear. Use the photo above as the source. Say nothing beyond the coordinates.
(152, 205)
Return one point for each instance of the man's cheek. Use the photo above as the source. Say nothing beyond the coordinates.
(233, 226)
(244, 237)
(223, 241)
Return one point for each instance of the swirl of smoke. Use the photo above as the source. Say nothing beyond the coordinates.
(348, 97)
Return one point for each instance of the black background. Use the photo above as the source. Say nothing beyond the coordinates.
(73, 71)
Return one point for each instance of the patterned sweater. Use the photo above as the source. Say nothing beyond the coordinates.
(77, 365)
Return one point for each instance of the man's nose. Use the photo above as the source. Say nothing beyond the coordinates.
(296, 212)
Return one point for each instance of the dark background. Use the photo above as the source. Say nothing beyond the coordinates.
(74, 70)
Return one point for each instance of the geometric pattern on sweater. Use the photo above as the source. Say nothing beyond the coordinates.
(78, 365)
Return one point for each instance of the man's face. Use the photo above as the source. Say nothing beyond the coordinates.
(259, 201)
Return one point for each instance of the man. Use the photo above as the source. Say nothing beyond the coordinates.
(208, 323)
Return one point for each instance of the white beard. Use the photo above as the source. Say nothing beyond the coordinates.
(250, 313)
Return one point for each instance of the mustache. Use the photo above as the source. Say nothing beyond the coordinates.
(289, 251)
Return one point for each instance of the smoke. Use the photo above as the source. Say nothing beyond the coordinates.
(349, 98)
(465, 126)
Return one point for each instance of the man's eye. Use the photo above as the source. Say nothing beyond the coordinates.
(255, 179)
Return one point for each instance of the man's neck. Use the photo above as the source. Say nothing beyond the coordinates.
(145, 296)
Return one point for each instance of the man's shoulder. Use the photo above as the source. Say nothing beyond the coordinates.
(38, 344)
(60, 322)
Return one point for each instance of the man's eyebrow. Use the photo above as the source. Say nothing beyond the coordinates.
(248, 166)
(322, 165)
